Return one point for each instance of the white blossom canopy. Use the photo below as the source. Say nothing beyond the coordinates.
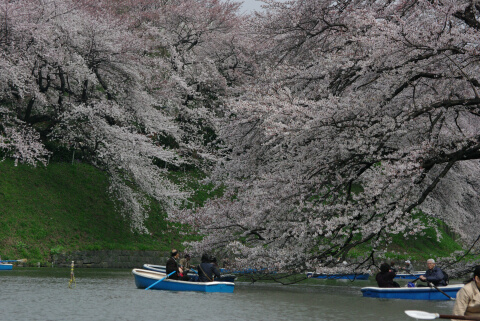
(358, 110)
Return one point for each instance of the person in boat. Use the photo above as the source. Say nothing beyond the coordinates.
(385, 277)
(468, 297)
(185, 263)
(433, 274)
(393, 267)
(408, 267)
(207, 271)
(214, 262)
(172, 265)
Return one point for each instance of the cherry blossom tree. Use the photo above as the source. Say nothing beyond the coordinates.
(331, 123)
(357, 112)
(203, 51)
(104, 77)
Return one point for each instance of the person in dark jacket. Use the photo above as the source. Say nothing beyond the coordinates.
(433, 275)
(206, 270)
(385, 277)
(172, 265)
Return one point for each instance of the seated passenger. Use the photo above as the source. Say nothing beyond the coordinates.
(185, 263)
(206, 270)
(467, 302)
(385, 277)
(393, 267)
(172, 266)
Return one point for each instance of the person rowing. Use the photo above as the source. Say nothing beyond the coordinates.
(433, 274)
(408, 267)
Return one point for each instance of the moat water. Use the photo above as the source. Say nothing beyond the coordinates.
(99, 294)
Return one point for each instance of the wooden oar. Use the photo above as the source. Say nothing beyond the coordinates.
(160, 280)
(431, 285)
(422, 315)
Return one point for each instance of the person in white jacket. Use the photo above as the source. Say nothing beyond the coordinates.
(468, 297)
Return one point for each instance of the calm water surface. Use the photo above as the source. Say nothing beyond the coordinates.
(100, 294)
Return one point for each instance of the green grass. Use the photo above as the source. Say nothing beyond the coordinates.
(418, 247)
(421, 248)
(66, 207)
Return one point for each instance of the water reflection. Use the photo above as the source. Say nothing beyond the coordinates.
(100, 294)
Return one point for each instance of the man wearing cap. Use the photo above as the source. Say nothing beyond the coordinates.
(172, 265)
(433, 274)
(408, 267)
(468, 298)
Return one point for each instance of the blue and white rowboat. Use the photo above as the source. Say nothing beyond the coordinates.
(5, 267)
(417, 293)
(351, 277)
(409, 276)
(157, 268)
(145, 278)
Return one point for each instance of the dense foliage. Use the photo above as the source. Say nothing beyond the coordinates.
(329, 123)
(359, 110)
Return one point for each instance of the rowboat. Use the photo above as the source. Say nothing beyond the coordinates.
(163, 269)
(157, 268)
(409, 276)
(417, 293)
(145, 278)
(340, 276)
(245, 271)
(5, 267)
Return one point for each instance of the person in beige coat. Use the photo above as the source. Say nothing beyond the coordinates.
(468, 297)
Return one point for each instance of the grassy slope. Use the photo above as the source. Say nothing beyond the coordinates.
(426, 246)
(66, 207)
(415, 248)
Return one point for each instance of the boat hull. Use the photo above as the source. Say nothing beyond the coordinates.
(417, 293)
(145, 278)
(5, 267)
(350, 277)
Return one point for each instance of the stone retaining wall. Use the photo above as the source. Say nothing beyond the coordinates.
(124, 259)
(110, 259)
